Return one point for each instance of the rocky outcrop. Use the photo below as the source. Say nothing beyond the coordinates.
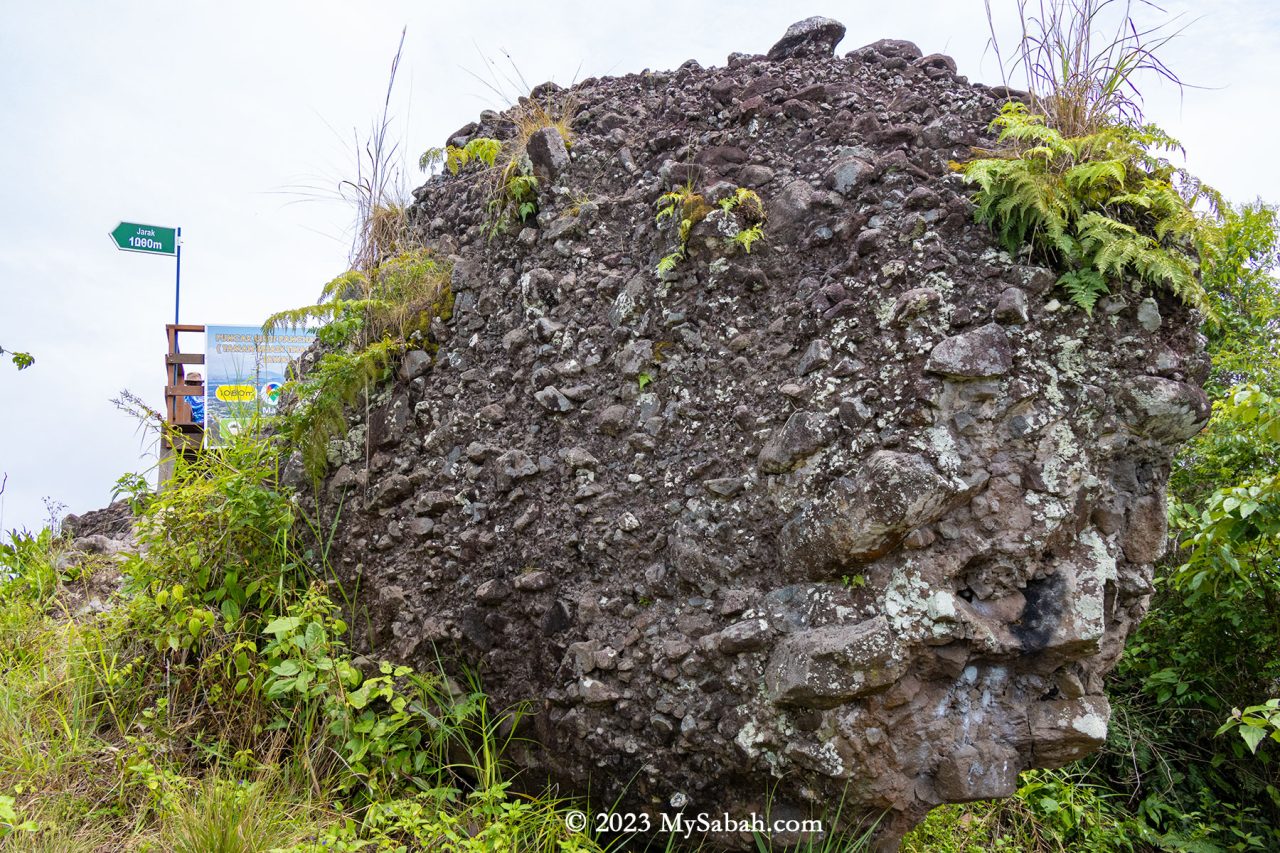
(866, 509)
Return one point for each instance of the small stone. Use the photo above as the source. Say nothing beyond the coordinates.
(606, 659)
(789, 210)
(745, 636)
(548, 154)
(828, 666)
(981, 353)
(1164, 409)
(867, 241)
(936, 61)
(552, 400)
(891, 49)
(817, 355)
(596, 692)
(801, 436)
(432, 503)
(517, 464)
(415, 363)
(493, 413)
(635, 357)
(614, 419)
(1070, 685)
(1149, 314)
(754, 175)
(848, 174)
(421, 526)
(534, 581)
(917, 302)
(580, 457)
(492, 591)
(1011, 308)
(921, 537)
(1146, 532)
(794, 390)
(725, 487)
(392, 490)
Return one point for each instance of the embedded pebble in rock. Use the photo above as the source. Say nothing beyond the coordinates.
(870, 508)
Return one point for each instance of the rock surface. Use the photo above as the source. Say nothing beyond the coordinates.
(865, 510)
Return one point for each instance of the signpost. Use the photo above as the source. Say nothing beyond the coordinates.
(152, 240)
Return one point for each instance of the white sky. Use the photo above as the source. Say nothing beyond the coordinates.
(230, 119)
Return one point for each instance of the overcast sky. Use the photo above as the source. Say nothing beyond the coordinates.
(234, 120)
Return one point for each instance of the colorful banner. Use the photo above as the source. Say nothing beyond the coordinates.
(245, 372)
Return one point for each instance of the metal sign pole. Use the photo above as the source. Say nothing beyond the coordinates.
(177, 282)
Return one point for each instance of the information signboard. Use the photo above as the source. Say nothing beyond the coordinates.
(246, 371)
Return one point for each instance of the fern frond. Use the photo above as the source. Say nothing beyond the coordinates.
(1085, 287)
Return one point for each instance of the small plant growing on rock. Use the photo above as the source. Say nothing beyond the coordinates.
(514, 191)
(743, 206)
(1080, 180)
(513, 187)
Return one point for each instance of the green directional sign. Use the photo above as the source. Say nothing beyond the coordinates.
(152, 239)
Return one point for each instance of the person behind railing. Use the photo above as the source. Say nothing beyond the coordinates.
(196, 403)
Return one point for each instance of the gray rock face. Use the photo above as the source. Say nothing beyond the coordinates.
(859, 508)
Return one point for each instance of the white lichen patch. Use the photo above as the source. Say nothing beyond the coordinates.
(906, 601)
(1091, 726)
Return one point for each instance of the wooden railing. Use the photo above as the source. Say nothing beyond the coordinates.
(177, 411)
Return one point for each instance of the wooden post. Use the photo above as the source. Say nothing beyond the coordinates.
(181, 434)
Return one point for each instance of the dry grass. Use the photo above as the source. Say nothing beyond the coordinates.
(1079, 60)
(530, 115)
(378, 192)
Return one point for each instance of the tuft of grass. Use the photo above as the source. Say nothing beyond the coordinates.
(1079, 60)
(507, 176)
(226, 815)
(378, 192)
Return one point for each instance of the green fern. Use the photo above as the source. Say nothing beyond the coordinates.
(670, 261)
(1102, 208)
(482, 149)
(690, 208)
(369, 319)
(748, 237)
(1085, 287)
(338, 381)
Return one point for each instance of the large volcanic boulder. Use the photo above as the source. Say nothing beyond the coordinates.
(868, 509)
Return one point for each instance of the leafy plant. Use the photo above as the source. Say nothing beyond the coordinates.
(10, 821)
(1255, 723)
(513, 194)
(742, 212)
(370, 318)
(1209, 644)
(1102, 208)
(21, 360)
